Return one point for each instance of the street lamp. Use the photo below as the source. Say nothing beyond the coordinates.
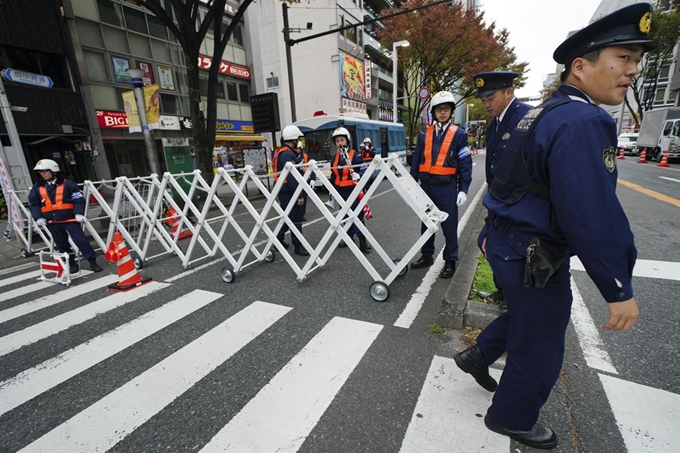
(403, 43)
(137, 82)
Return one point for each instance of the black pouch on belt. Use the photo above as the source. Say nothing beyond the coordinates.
(542, 261)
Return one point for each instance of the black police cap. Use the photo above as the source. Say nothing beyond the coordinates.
(488, 82)
(629, 25)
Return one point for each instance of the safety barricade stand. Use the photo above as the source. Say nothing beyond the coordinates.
(55, 267)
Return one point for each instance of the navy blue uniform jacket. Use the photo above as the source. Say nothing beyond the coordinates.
(71, 195)
(496, 139)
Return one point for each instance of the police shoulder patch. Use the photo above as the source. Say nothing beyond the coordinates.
(506, 136)
(609, 159)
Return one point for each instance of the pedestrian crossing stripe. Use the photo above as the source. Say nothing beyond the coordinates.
(450, 413)
(19, 278)
(665, 270)
(112, 418)
(64, 321)
(7, 295)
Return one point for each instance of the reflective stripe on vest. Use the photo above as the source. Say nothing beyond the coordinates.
(59, 204)
(366, 155)
(438, 168)
(345, 180)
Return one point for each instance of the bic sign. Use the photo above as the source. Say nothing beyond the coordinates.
(112, 120)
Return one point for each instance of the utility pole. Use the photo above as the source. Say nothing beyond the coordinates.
(289, 62)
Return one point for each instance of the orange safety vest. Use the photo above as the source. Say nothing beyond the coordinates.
(438, 168)
(365, 155)
(58, 205)
(275, 162)
(344, 180)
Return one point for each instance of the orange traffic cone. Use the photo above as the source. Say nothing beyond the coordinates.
(621, 156)
(643, 157)
(173, 220)
(664, 160)
(128, 277)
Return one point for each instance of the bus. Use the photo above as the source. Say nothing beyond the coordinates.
(388, 139)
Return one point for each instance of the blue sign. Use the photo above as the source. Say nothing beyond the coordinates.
(28, 78)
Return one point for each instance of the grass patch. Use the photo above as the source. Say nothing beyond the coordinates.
(435, 328)
(483, 280)
(470, 335)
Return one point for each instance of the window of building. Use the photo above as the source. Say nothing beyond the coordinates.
(272, 82)
(140, 45)
(116, 40)
(110, 13)
(97, 70)
(244, 92)
(119, 97)
(104, 98)
(51, 65)
(351, 33)
(203, 86)
(232, 92)
(660, 95)
(135, 21)
(237, 36)
(170, 104)
(182, 79)
(665, 70)
(90, 33)
(157, 28)
(161, 50)
(342, 24)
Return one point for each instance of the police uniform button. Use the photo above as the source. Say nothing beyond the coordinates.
(622, 295)
(507, 258)
(519, 243)
(512, 236)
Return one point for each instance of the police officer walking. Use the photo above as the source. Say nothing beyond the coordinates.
(496, 92)
(56, 202)
(443, 165)
(290, 136)
(554, 195)
(345, 178)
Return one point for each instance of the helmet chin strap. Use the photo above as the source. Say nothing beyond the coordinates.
(441, 125)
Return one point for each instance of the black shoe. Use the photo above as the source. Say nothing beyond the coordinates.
(284, 243)
(472, 362)
(343, 244)
(449, 270)
(364, 246)
(423, 261)
(94, 266)
(538, 437)
(304, 218)
(300, 250)
(74, 269)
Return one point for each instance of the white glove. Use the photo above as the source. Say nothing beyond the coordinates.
(81, 218)
(462, 198)
(356, 177)
(41, 222)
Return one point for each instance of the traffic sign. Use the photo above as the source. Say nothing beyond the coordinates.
(424, 93)
(27, 78)
(57, 267)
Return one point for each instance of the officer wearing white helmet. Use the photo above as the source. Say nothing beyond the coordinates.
(367, 154)
(443, 165)
(290, 137)
(55, 202)
(344, 176)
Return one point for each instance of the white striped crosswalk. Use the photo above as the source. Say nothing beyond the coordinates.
(280, 416)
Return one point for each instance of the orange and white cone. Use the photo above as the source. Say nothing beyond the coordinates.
(128, 277)
(173, 220)
(621, 155)
(643, 157)
(664, 160)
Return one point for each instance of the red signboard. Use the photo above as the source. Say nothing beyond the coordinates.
(231, 69)
(148, 72)
(112, 120)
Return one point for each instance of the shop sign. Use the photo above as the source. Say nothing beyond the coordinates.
(120, 67)
(165, 75)
(147, 78)
(111, 120)
(169, 123)
(222, 125)
(230, 69)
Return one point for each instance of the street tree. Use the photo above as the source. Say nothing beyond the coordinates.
(184, 20)
(448, 44)
(666, 31)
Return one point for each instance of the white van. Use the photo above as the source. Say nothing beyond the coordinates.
(628, 143)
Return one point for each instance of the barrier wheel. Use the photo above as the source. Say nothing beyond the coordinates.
(379, 291)
(25, 253)
(227, 275)
(137, 261)
(403, 271)
(270, 256)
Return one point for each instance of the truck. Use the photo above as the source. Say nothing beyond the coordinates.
(660, 132)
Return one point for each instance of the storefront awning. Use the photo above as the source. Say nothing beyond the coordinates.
(238, 138)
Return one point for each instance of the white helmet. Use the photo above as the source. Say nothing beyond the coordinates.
(443, 97)
(339, 132)
(367, 140)
(291, 133)
(47, 164)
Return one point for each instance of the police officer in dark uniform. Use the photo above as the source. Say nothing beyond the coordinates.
(368, 154)
(56, 202)
(290, 136)
(443, 165)
(496, 92)
(552, 196)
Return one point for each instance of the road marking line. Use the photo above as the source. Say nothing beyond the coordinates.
(647, 417)
(418, 298)
(19, 278)
(111, 419)
(447, 414)
(659, 196)
(34, 381)
(670, 179)
(56, 298)
(33, 287)
(666, 270)
(64, 321)
(18, 268)
(594, 351)
(284, 412)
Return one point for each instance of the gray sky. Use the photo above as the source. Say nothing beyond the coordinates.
(536, 28)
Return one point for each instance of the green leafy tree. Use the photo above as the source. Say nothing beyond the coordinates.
(190, 31)
(448, 45)
(666, 31)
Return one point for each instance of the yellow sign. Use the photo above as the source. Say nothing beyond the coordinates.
(152, 100)
(131, 112)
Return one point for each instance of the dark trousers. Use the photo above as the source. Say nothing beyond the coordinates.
(61, 231)
(295, 216)
(444, 197)
(532, 332)
(345, 193)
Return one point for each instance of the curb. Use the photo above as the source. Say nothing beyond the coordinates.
(457, 311)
